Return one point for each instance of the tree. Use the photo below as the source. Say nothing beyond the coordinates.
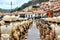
(1, 10)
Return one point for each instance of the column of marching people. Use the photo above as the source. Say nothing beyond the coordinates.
(46, 32)
(22, 31)
(19, 33)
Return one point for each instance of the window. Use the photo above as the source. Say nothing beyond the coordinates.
(25, 15)
(29, 15)
(22, 15)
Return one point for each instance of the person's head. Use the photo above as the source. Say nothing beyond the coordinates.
(47, 37)
(50, 28)
(13, 29)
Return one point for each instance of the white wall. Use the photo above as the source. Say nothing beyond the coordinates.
(27, 15)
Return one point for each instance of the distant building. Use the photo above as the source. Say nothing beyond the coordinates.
(26, 15)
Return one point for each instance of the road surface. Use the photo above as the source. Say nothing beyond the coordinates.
(33, 33)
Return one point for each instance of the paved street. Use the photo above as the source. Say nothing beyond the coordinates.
(33, 33)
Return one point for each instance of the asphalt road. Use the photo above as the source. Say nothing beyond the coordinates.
(33, 33)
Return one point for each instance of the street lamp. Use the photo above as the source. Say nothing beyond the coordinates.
(11, 6)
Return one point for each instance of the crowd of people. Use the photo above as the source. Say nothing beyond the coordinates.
(17, 29)
(46, 32)
(21, 32)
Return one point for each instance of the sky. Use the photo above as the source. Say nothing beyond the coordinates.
(6, 4)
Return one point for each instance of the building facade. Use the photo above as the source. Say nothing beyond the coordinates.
(26, 15)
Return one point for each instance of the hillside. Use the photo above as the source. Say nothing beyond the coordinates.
(32, 2)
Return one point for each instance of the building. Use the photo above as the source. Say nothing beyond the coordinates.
(26, 14)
